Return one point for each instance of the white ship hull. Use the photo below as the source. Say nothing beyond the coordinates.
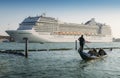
(33, 36)
(42, 29)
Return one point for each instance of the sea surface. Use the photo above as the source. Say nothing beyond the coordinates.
(58, 64)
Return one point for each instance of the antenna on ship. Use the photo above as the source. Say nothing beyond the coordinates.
(43, 14)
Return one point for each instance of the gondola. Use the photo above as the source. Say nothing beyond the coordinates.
(86, 56)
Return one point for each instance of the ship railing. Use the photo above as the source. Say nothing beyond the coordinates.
(67, 33)
(76, 33)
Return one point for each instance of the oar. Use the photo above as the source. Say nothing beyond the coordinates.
(87, 47)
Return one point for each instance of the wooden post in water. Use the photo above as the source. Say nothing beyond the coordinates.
(26, 46)
(75, 44)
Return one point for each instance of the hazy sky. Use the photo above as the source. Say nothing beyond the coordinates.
(12, 12)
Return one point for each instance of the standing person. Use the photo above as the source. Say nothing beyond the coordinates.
(81, 42)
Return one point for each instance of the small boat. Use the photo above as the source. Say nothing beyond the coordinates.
(5, 40)
(86, 56)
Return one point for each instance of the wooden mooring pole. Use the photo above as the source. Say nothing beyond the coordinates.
(26, 47)
(75, 44)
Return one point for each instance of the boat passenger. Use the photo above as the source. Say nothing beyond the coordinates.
(102, 52)
(93, 52)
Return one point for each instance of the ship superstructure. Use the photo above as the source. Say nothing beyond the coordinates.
(49, 29)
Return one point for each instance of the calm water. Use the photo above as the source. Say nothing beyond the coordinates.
(58, 64)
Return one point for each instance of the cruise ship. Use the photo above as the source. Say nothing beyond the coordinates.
(41, 29)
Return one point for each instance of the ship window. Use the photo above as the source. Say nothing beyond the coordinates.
(28, 23)
(25, 27)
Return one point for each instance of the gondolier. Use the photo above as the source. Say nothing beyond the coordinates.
(81, 42)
